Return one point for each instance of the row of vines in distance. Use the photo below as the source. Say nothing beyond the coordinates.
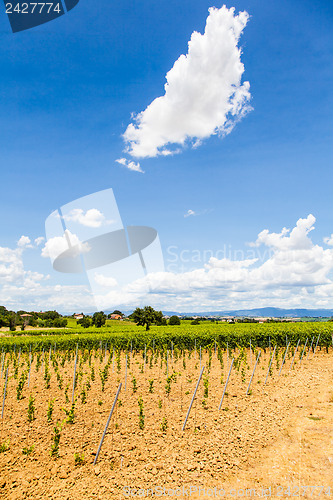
(183, 337)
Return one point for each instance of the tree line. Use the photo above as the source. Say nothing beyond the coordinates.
(23, 319)
(145, 316)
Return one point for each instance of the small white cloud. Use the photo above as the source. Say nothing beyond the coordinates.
(39, 240)
(24, 242)
(328, 240)
(190, 212)
(131, 165)
(105, 281)
(203, 96)
(91, 218)
(203, 212)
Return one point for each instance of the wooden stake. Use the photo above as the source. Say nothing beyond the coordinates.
(292, 362)
(300, 361)
(29, 368)
(2, 362)
(284, 358)
(126, 372)
(144, 362)
(43, 359)
(310, 347)
(4, 394)
(316, 345)
(254, 369)
(250, 352)
(74, 375)
(200, 357)
(195, 391)
(225, 386)
(270, 364)
(107, 424)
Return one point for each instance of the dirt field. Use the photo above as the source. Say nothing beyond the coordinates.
(279, 436)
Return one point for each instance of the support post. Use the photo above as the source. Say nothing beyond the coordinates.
(195, 391)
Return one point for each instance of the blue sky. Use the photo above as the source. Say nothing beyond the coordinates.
(68, 89)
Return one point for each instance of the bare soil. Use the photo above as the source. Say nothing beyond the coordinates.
(279, 436)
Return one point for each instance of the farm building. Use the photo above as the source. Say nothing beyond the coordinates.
(115, 316)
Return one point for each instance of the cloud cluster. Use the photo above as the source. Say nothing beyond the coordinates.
(203, 96)
(296, 273)
(21, 288)
(33, 296)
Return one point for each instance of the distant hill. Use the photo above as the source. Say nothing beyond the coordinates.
(274, 312)
(270, 312)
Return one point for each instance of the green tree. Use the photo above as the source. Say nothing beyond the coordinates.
(85, 322)
(146, 316)
(3, 320)
(49, 315)
(99, 319)
(195, 322)
(12, 322)
(174, 320)
(159, 320)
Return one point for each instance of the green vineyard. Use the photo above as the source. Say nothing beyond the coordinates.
(184, 336)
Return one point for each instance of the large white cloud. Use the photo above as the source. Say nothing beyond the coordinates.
(14, 279)
(26, 289)
(204, 94)
(11, 264)
(56, 246)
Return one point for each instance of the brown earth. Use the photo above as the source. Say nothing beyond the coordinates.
(279, 436)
